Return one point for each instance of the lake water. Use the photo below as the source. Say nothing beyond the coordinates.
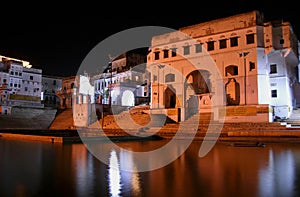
(44, 169)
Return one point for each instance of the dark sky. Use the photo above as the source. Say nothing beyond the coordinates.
(57, 40)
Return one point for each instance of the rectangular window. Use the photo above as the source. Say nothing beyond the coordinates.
(198, 48)
(186, 50)
(154, 78)
(274, 93)
(156, 55)
(233, 41)
(223, 43)
(166, 53)
(250, 38)
(252, 65)
(281, 41)
(273, 68)
(174, 53)
(31, 77)
(210, 45)
(25, 89)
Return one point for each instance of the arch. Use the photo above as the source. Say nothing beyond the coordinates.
(199, 80)
(231, 70)
(170, 97)
(127, 98)
(197, 83)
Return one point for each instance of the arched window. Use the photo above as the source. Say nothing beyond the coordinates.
(231, 70)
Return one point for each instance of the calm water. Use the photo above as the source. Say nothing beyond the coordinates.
(45, 169)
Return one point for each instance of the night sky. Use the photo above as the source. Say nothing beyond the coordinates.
(57, 39)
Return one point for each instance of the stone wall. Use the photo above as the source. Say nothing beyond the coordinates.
(28, 118)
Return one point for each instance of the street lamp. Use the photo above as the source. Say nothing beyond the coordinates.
(160, 66)
(244, 54)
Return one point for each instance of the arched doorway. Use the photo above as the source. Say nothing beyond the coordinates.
(127, 98)
(170, 97)
(232, 92)
(197, 92)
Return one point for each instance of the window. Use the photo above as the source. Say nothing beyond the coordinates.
(31, 77)
(174, 53)
(156, 55)
(170, 78)
(250, 38)
(198, 48)
(281, 41)
(4, 80)
(54, 82)
(210, 45)
(166, 53)
(223, 43)
(186, 50)
(25, 89)
(231, 70)
(233, 41)
(252, 65)
(154, 78)
(274, 93)
(273, 68)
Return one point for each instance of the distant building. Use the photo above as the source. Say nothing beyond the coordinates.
(20, 84)
(123, 81)
(50, 84)
(83, 107)
(258, 63)
(65, 94)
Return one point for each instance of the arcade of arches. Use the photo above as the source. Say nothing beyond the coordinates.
(197, 91)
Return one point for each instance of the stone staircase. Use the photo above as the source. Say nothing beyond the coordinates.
(63, 121)
(210, 128)
(294, 120)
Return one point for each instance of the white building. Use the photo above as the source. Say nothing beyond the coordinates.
(256, 62)
(20, 84)
(123, 81)
(83, 107)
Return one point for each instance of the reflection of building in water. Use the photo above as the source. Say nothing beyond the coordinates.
(257, 62)
(114, 176)
(271, 183)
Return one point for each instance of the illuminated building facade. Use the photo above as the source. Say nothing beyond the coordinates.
(257, 63)
(65, 94)
(20, 84)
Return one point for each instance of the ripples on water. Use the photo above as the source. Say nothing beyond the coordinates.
(43, 169)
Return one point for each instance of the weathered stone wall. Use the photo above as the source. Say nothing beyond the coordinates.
(28, 118)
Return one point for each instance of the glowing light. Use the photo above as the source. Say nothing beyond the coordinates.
(114, 175)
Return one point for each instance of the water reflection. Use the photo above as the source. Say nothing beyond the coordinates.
(114, 175)
(43, 169)
(277, 178)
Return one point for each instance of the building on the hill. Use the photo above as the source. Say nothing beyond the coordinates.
(257, 63)
(20, 84)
